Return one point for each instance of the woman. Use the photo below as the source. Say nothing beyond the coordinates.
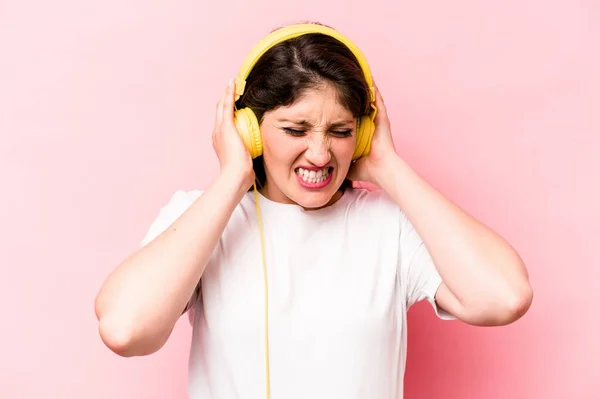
(343, 265)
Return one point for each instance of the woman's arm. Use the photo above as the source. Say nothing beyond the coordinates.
(484, 280)
(142, 299)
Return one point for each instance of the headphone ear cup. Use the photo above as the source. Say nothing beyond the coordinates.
(364, 136)
(249, 130)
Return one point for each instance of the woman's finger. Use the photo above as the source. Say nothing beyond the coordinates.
(228, 103)
(219, 113)
(381, 110)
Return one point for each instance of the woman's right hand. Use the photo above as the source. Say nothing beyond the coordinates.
(234, 158)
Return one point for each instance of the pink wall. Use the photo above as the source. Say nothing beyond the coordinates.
(106, 109)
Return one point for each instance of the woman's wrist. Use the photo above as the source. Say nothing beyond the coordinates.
(233, 183)
(385, 172)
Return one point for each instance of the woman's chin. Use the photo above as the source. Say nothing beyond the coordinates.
(303, 195)
(313, 203)
(316, 199)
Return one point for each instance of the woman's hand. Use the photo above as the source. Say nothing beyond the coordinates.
(485, 282)
(371, 167)
(234, 158)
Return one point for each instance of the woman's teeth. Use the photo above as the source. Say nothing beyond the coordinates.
(313, 176)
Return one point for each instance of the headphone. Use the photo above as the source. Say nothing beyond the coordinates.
(246, 121)
(248, 127)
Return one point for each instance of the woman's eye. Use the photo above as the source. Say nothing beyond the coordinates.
(343, 133)
(337, 133)
(293, 132)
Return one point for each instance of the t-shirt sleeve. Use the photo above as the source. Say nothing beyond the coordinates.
(421, 279)
(180, 201)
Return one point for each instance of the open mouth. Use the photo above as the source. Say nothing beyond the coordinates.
(314, 178)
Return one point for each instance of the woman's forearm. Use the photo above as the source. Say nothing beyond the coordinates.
(142, 299)
(483, 272)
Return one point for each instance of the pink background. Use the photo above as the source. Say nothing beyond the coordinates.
(106, 109)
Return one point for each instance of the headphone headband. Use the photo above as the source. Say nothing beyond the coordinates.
(292, 31)
(246, 122)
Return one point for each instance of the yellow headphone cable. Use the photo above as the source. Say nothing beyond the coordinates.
(266, 284)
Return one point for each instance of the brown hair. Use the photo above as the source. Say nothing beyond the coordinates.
(291, 67)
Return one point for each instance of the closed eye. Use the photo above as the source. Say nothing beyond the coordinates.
(293, 132)
(342, 133)
(298, 132)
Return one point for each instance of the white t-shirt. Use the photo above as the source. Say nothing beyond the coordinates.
(341, 280)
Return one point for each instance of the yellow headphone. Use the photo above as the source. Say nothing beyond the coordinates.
(247, 123)
(248, 127)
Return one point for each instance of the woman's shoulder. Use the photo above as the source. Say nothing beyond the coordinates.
(183, 197)
(370, 197)
(179, 201)
(170, 210)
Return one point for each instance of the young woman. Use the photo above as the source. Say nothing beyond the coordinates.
(326, 317)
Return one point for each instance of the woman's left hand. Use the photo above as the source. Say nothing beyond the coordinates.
(370, 167)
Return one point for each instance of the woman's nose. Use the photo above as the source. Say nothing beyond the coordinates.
(318, 152)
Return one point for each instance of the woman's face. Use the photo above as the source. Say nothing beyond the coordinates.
(307, 149)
